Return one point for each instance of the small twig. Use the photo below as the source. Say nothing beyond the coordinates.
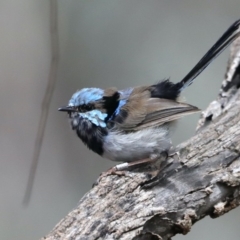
(46, 100)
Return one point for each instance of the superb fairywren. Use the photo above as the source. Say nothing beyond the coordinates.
(132, 125)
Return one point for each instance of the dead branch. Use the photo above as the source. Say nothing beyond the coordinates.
(151, 204)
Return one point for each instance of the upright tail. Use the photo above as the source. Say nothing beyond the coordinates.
(227, 38)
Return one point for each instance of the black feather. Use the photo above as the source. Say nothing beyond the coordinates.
(166, 89)
(110, 104)
(91, 135)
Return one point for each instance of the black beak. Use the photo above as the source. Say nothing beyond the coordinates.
(67, 109)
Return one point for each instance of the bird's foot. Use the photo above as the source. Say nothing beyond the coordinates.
(111, 171)
(165, 160)
(127, 165)
(119, 169)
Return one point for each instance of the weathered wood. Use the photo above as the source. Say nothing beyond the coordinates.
(150, 204)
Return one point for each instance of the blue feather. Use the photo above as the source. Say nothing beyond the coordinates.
(85, 96)
(121, 103)
(124, 97)
(96, 117)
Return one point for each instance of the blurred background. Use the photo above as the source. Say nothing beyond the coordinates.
(102, 43)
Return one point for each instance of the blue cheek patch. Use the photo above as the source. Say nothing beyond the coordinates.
(96, 117)
(86, 95)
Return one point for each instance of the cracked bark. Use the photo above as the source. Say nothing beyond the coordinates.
(203, 180)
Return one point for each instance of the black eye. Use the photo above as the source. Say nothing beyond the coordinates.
(88, 107)
(85, 107)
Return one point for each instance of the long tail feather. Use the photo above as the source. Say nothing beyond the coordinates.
(227, 38)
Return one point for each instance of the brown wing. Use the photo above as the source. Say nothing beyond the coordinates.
(141, 111)
(161, 111)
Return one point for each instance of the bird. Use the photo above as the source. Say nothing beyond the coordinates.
(132, 126)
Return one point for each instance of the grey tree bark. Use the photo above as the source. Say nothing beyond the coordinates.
(148, 203)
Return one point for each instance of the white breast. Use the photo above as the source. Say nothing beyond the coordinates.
(128, 147)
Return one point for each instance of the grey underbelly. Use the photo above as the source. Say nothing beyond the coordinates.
(138, 145)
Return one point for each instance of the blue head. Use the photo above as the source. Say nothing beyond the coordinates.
(89, 111)
(83, 105)
(93, 104)
(86, 96)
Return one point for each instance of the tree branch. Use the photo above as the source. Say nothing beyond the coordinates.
(149, 203)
